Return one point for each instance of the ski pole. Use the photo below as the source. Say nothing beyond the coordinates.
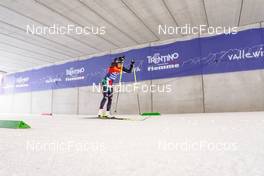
(135, 79)
(120, 79)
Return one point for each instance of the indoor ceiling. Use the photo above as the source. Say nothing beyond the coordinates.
(127, 22)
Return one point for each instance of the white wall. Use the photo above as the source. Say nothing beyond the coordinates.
(237, 91)
(6, 102)
(226, 92)
(65, 101)
(88, 100)
(41, 102)
(186, 95)
(21, 103)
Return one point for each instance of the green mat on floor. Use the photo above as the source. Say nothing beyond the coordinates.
(150, 114)
(13, 124)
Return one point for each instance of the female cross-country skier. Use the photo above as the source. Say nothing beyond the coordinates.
(113, 71)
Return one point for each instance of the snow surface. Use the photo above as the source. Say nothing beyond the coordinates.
(219, 144)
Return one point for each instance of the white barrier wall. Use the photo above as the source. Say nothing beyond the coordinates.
(22, 103)
(6, 102)
(186, 95)
(237, 91)
(227, 92)
(65, 101)
(41, 102)
(88, 100)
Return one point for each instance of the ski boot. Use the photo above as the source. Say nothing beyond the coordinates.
(108, 115)
(101, 114)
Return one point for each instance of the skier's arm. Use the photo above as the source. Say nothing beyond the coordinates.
(130, 68)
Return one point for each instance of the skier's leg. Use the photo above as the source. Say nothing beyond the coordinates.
(103, 101)
(109, 102)
(101, 109)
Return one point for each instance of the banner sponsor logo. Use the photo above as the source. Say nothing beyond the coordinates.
(52, 80)
(73, 74)
(247, 53)
(22, 82)
(163, 62)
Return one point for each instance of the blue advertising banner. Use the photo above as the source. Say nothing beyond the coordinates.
(217, 54)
